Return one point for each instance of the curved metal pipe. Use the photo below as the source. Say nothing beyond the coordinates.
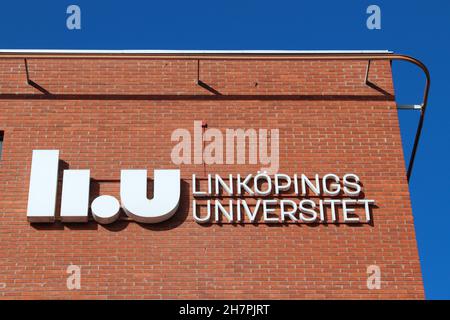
(254, 56)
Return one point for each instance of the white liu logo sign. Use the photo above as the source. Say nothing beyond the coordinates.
(105, 209)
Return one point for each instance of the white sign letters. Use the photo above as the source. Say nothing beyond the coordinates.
(278, 198)
(105, 209)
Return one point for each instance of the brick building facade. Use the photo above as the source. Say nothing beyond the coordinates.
(107, 114)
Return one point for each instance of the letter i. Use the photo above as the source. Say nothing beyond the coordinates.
(43, 186)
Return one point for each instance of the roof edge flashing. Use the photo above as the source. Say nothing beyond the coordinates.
(197, 52)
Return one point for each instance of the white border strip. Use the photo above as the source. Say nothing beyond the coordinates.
(196, 51)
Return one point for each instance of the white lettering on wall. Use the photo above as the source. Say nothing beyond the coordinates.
(105, 209)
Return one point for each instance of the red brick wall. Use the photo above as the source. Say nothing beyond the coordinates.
(108, 115)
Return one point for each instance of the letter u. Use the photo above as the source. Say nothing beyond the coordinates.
(133, 195)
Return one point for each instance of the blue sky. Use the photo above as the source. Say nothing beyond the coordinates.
(417, 28)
